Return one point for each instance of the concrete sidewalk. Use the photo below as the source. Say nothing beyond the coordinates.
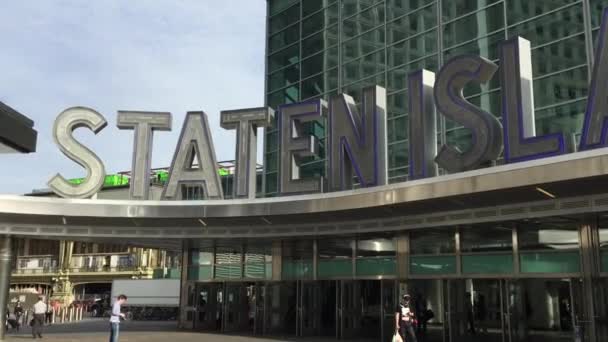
(133, 331)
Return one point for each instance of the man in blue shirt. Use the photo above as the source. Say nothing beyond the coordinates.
(116, 316)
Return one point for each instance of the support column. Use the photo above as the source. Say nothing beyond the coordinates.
(590, 265)
(6, 257)
(403, 263)
(277, 260)
(183, 287)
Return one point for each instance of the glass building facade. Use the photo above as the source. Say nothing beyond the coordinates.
(319, 48)
(533, 279)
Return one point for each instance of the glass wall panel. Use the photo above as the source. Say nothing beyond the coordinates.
(412, 24)
(258, 260)
(276, 6)
(487, 249)
(284, 58)
(376, 256)
(403, 7)
(549, 247)
(550, 27)
(286, 37)
(363, 22)
(432, 241)
(351, 7)
(432, 264)
(201, 264)
(518, 11)
(477, 25)
(290, 17)
(228, 261)
(297, 260)
(603, 241)
(457, 8)
(335, 257)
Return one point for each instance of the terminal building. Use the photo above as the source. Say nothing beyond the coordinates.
(509, 251)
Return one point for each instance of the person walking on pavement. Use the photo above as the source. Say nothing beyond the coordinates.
(404, 320)
(116, 316)
(39, 315)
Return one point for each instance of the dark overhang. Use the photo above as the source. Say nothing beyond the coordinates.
(17, 133)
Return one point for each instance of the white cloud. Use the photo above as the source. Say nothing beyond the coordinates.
(125, 55)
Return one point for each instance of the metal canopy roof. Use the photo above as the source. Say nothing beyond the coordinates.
(567, 176)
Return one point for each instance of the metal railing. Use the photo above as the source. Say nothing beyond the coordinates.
(95, 269)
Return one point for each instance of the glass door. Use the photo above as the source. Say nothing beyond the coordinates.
(282, 306)
(541, 310)
(236, 307)
(308, 308)
(348, 309)
(388, 300)
(208, 306)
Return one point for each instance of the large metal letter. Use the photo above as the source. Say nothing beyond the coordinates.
(520, 140)
(449, 99)
(194, 141)
(595, 127)
(423, 125)
(65, 124)
(144, 124)
(297, 144)
(357, 140)
(246, 123)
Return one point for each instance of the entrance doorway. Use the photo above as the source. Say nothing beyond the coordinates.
(498, 310)
(230, 307)
(347, 309)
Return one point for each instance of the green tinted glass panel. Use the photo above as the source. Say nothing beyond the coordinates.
(398, 155)
(550, 262)
(398, 128)
(568, 85)
(320, 20)
(485, 47)
(289, 17)
(258, 270)
(413, 49)
(457, 8)
(518, 11)
(350, 7)
(439, 264)
(271, 183)
(410, 25)
(363, 45)
(200, 272)
(276, 6)
(296, 269)
(551, 27)
(173, 273)
(399, 8)
(335, 268)
(284, 77)
(559, 56)
(284, 58)
(286, 37)
(363, 22)
(364, 67)
(376, 266)
(566, 118)
(228, 271)
(474, 26)
(320, 41)
(604, 261)
(490, 264)
(597, 8)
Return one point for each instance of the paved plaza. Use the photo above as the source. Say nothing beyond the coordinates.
(132, 331)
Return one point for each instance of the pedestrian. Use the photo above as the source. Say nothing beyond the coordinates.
(116, 316)
(38, 320)
(404, 320)
(18, 311)
(49, 313)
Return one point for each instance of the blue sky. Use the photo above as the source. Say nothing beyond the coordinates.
(111, 55)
